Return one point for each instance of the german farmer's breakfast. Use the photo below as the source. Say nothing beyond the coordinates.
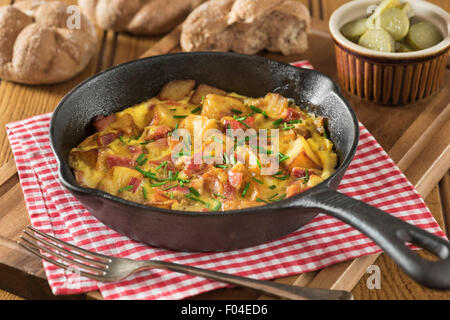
(392, 27)
(199, 148)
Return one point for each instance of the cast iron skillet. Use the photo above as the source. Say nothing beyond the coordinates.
(128, 84)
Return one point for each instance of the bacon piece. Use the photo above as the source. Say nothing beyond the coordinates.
(229, 191)
(292, 114)
(135, 182)
(234, 124)
(159, 133)
(298, 172)
(195, 168)
(101, 122)
(235, 179)
(135, 149)
(119, 161)
(105, 139)
(183, 190)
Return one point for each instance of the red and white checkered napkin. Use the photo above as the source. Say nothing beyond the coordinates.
(371, 177)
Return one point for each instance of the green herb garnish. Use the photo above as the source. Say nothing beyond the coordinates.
(126, 188)
(276, 123)
(236, 111)
(144, 192)
(179, 116)
(259, 181)
(244, 192)
(196, 110)
(194, 192)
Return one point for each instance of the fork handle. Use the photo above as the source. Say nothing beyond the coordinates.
(267, 287)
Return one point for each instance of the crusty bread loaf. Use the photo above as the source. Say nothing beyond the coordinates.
(146, 17)
(38, 47)
(247, 26)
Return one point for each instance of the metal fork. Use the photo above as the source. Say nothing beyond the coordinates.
(106, 269)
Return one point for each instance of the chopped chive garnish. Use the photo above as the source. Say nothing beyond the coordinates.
(217, 206)
(236, 111)
(273, 196)
(173, 109)
(181, 154)
(283, 157)
(306, 176)
(141, 158)
(261, 200)
(272, 187)
(222, 166)
(147, 142)
(295, 121)
(282, 177)
(259, 181)
(281, 197)
(179, 116)
(170, 176)
(277, 122)
(158, 184)
(219, 195)
(196, 110)
(161, 165)
(217, 139)
(171, 195)
(256, 109)
(244, 192)
(203, 99)
(190, 196)
(126, 188)
(194, 192)
(286, 127)
(243, 123)
(265, 114)
(147, 173)
(144, 192)
(258, 163)
(170, 187)
(121, 139)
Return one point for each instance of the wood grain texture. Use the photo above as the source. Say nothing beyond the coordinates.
(395, 284)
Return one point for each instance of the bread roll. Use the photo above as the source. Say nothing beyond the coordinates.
(146, 17)
(37, 46)
(247, 26)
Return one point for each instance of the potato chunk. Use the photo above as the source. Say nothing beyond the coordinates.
(217, 107)
(202, 90)
(176, 89)
(275, 105)
(301, 155)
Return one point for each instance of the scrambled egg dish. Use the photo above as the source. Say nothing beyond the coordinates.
(199, 148)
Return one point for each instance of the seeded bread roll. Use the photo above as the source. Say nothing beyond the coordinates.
(41, 43)
(146, 17)
(247, 26)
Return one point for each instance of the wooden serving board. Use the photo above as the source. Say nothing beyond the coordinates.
(417, 137)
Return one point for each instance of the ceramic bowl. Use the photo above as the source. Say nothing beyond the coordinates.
(389, 77)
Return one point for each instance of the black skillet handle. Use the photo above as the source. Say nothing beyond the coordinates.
(390, 233)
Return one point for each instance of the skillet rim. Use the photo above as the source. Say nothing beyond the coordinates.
(277, 205)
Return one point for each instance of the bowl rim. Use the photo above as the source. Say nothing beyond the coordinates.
(79, 190)
(354, 48)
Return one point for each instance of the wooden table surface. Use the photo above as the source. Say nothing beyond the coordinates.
(394, 283)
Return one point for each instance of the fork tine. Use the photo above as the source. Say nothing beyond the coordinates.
(81, 250)
(65, 251)
(36, 252)
(96, 270)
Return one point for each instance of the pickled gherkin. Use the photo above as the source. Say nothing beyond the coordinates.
(396, 22)
(392, 27)
(377, 39)
(354, 29)
(423, 35)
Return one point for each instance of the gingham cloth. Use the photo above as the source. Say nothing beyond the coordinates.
(371, 177)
